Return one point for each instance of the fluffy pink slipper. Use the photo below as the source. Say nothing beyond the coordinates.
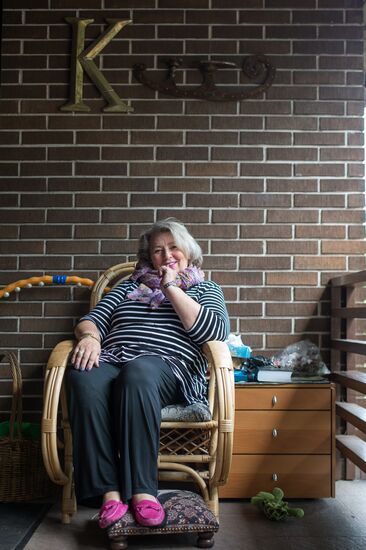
(110, 512)
(149, 513)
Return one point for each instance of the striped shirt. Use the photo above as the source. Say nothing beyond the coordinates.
(130, 328)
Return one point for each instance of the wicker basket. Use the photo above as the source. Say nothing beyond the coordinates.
(22, 474)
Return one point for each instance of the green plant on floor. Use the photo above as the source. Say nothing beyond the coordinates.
(274, 507)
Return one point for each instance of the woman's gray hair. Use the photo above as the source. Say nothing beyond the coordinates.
(182, 238)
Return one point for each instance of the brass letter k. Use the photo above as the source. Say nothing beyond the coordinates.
(83, 60)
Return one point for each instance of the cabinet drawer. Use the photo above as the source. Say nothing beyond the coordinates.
(300, 476)
(280, 432)
(278, 397)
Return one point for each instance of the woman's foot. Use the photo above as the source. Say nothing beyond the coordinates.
(111, 512)
(148, 511)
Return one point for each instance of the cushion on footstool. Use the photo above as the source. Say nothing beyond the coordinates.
(185, 512)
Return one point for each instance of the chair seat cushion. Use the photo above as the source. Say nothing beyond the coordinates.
(185, 512)
(197, 412)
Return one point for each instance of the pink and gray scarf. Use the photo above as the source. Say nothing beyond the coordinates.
(149, 290)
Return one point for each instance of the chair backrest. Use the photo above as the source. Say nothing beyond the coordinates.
(110, 278)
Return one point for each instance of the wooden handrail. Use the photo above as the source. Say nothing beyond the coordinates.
(354, 312)
(350, 346)
(349, 279)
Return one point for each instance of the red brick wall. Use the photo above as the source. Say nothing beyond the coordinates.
(272, 187)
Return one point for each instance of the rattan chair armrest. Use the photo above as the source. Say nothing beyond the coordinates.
(218, 354)
(220, 361)
(60, 354)
(56, 367)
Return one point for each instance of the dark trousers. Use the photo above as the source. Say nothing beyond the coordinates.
(115, 414)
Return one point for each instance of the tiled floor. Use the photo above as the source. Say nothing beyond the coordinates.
(328, 524)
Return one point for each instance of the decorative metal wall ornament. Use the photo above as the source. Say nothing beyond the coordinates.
(254, 67)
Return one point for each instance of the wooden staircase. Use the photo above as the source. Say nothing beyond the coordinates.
(351, 446)
(344, 346)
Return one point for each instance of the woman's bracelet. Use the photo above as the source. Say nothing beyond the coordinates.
(171, 283)
(87, 334)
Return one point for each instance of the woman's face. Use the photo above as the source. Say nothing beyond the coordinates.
(163, 251)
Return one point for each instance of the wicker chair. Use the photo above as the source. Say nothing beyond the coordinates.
(189, 451)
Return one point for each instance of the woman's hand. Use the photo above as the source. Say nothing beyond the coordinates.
(167, 275)
(185, 307)
(86, 354)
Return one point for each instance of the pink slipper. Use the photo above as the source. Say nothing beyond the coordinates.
(149, 513)
(110, 512)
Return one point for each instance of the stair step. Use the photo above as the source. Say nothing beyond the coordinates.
(351, 346)
(353, 379)
(353, 448)
(352, 413)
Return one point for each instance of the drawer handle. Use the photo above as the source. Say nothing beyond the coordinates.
(274, 432)
(274, 400)
(274, 477)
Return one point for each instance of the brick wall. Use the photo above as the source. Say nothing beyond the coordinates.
(272, 187)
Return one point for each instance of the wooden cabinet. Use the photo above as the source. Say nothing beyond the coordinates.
(285, 437)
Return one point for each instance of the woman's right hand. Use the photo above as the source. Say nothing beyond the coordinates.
(86, 354)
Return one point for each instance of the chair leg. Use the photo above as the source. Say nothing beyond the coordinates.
(65, 519)
(68, 504)
(119, 543)
(213, 503)
(205, 540)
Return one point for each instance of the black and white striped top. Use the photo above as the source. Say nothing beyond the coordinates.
(130, 328)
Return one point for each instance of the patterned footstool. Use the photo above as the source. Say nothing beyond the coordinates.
(186, 512)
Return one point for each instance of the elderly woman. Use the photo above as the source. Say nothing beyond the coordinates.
(138, 351)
